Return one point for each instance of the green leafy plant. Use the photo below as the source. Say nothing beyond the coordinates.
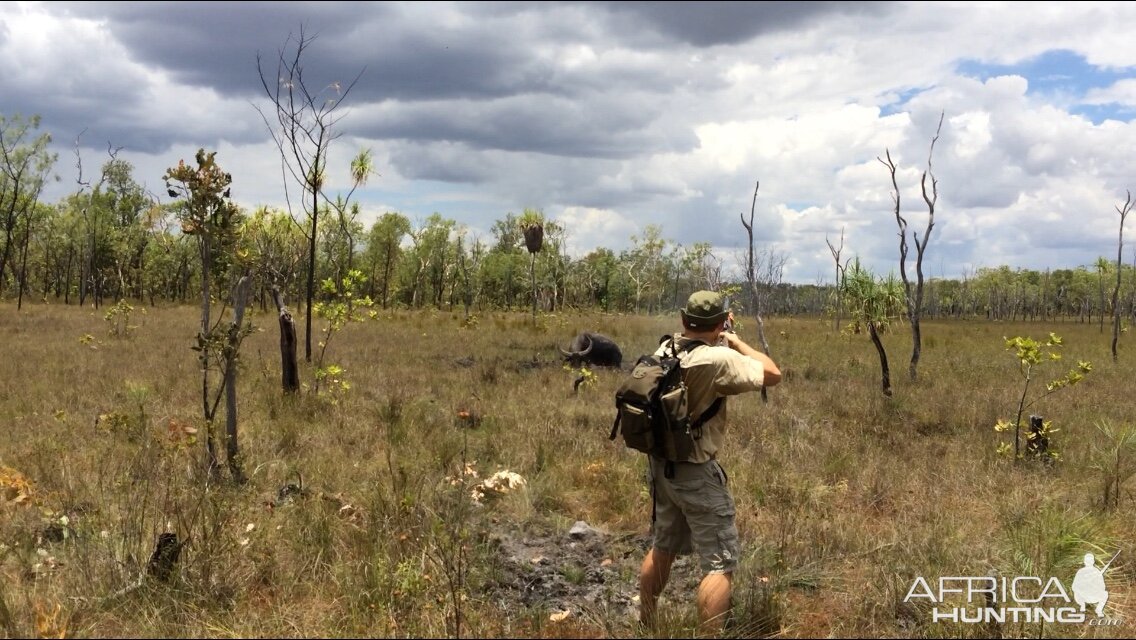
(118, 317)
(873, 302)
(1031, 355)
(585, 377)
(341, 309)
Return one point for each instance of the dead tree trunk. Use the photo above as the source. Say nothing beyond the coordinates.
(290, 372)
(24, 260)
(165, 556)
(1037, 445)
(885, 372)
(751, 279)
(1123, 211)
(839, 275)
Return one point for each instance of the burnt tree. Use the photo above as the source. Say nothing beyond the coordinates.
(1123, 211)
(836, 251)
(289, 368)
(913, 294)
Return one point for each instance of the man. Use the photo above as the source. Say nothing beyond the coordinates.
(693, 509)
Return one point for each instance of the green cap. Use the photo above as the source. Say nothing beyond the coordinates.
(705, 310)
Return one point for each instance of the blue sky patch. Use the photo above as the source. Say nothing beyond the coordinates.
(899, 105)
(1062, 76)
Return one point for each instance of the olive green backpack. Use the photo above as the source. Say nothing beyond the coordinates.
(652, 411)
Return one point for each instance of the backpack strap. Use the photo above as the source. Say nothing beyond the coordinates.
(712, 410)
(691, 345)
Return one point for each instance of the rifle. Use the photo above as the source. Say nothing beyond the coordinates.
(1106, 565)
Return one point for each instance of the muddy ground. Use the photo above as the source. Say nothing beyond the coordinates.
(581, 572)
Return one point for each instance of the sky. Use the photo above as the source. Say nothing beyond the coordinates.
(608, 117)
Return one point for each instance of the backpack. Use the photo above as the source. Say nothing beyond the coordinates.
(651, 407)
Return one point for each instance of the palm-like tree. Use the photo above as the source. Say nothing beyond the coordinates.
(873, 302)
(532, 226)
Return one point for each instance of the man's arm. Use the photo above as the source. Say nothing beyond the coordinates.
(772, 373)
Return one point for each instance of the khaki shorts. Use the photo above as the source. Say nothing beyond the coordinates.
(694, 511)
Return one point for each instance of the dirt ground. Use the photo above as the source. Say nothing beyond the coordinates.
(581, 572)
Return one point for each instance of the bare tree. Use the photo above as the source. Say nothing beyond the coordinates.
(1123, 211)
(771, 269)
(913, 296)
(839, 274)
(305, 120)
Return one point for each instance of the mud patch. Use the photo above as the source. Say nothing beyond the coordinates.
(582, 570)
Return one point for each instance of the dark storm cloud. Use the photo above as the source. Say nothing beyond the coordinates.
(216, 45)
(580, 182)
(397, 53)
(705, 24)
(602, 128)
(442, 162)
(393, 56)
(403, 55)
(504, 95)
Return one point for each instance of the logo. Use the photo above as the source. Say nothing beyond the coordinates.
(986, 599)
(1088, 584)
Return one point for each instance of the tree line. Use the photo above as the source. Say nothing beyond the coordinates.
(111, 239)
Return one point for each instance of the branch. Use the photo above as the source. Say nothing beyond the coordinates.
(933, 198)
(79, 163)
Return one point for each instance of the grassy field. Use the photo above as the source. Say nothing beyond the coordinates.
(357, 518)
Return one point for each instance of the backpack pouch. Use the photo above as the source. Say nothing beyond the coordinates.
(635, 422)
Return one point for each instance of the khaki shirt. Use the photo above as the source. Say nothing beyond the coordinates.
(711, 372)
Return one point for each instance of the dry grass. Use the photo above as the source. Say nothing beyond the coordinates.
(844, 496)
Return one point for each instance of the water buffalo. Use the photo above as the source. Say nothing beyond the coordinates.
(593, 349)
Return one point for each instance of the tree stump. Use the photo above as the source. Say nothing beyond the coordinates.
(1037, 444)
(165, 556)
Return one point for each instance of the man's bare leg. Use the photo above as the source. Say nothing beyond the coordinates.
(714, 600)
(653, 575)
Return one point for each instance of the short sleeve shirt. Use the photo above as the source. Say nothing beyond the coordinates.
(713, 372)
